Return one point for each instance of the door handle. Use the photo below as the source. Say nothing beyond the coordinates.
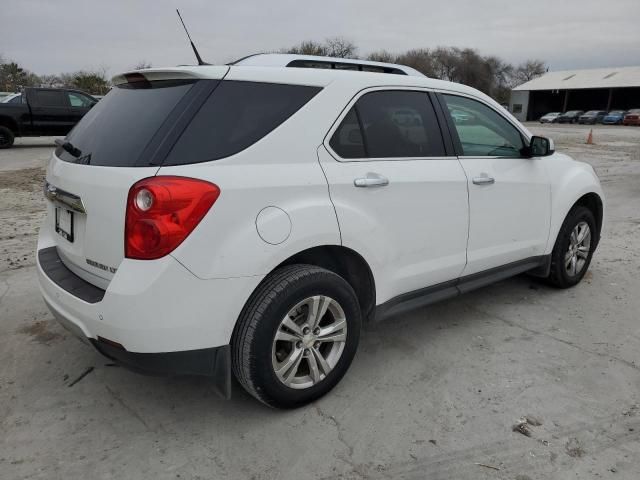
(371, 180)
(483, 180)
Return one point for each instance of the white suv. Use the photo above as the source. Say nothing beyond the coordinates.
(250, 218)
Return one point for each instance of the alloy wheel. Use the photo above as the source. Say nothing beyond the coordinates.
(577, 253)
(309, 342)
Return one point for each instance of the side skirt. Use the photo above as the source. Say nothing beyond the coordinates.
(426, 296)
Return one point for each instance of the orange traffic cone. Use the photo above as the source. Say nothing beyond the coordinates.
(590, 137)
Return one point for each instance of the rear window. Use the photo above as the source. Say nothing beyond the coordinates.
(235, 116)
(119, 127)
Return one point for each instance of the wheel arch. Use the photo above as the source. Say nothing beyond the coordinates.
(593, 202)
(345, 262)
(10, 123)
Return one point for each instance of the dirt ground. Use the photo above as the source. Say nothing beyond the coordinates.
(514, 381)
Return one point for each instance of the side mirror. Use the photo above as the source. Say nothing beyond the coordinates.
(540, 147)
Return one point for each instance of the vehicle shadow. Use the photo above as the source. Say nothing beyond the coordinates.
(188, 400)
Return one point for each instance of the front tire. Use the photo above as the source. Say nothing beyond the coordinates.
(296, 336)
(6, 137)
(574, 248)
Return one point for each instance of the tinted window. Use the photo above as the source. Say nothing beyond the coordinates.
(50, 98)
(395, 124)
(483, 131)
(17, 99)
(347, 141)
(119, 127)
(79, 100)
(236, 115)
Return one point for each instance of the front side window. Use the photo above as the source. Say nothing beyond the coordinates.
(79, 100)
(483, 131)
(389, 124)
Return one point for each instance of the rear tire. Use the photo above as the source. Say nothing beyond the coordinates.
(574, 248)
(6, 137)
(270, 336)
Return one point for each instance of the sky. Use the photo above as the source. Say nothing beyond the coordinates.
(53, 36)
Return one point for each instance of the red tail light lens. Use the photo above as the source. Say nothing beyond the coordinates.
(162, 211)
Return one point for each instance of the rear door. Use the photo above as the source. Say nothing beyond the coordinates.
(509, 195)
(400, 199)
(49, 111)
(120, 141)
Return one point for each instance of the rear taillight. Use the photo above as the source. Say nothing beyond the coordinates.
(162, 211)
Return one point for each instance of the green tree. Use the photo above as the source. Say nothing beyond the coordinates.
(12, 77)
(90, 81)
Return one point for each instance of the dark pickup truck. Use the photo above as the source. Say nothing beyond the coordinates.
(42, 111)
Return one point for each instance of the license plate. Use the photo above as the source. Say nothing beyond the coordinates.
(64, 223)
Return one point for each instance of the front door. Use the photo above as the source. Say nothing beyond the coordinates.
(509, 195)
(400, 200)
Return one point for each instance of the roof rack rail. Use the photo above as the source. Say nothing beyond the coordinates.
(333, 63)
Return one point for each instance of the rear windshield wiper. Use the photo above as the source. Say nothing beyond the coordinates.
(68, 147)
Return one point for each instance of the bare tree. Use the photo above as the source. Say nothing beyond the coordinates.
(341, 47)
(50, 81)
(446, 63)
(382, 56)
(141, 65)
(331, 47)
(421, 59)
(529, 70)
(307, 47)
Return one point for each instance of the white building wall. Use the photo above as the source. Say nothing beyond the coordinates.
(519, 104)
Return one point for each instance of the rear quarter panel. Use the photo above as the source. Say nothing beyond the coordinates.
(280, 170)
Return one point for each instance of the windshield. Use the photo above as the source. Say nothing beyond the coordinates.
(591, 113)
(573, 112)
(616, 112)
(13, 98)
(635, 110)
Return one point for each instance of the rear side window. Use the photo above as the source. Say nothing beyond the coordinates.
(50, 98)
(117, 129)
(391, 124)
(235, 116)
(347, 141)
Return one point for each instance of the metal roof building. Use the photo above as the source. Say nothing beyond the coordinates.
(593, 89)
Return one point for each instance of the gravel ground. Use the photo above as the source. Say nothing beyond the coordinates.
(514, 381)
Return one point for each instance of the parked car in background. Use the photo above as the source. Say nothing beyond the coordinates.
(42, 111)
(592, 117)
(614, 117)
(632, 117)
(460, 116)
(551, 117)
(173, 243)
(571, 116)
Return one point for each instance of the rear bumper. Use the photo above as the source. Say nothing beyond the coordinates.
(149, 307)
(210, 362)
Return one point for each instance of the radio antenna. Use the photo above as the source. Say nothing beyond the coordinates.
(195, 50)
